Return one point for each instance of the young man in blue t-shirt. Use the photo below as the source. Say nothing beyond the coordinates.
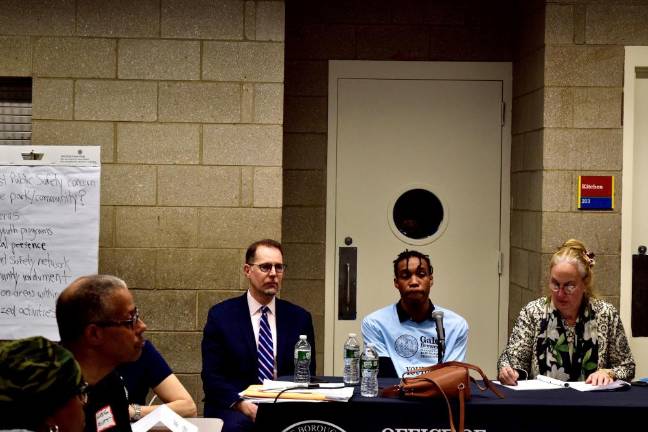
(405, 334)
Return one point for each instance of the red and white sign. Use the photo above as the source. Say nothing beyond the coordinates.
(596, 192)
(596, 186)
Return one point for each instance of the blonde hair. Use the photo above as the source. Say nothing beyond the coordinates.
(574, 252)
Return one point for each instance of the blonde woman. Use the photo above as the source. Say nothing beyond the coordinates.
(569, 334)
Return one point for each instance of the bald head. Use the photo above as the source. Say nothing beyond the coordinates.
(84, 301)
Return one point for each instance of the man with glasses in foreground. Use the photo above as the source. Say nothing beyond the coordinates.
(405, 334)
(250, 338)
(99, 323)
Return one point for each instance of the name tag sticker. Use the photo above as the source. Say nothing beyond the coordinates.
(105, 419)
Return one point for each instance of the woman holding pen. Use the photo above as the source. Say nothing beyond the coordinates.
(569, 334)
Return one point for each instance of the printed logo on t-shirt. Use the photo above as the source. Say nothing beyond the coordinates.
(429, 348)
(105, 419)
(406, 345)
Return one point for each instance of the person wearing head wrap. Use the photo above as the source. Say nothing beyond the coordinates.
(41, 388)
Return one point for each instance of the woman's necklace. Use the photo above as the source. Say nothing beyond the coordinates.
(570, 331)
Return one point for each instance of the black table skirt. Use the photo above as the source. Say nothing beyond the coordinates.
(540, 410)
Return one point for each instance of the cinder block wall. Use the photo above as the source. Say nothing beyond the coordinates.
(185, 99)
(526, 274)
(569, 124)
(583, 79)
(568, 63)
(358, 30)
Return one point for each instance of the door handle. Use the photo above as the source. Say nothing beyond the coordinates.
(347, 289)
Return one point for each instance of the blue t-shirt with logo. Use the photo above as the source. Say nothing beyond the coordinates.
(410, 344)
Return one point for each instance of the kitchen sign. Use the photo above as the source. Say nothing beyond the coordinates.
(596, 192)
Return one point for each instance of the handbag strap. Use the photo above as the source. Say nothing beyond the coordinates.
(487, 382)
(391, 391)
(462, 411)
(395, 390)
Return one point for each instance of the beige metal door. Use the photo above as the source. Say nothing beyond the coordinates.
(441, 135)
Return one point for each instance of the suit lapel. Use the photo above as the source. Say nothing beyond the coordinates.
(246, 331)
(283, 333)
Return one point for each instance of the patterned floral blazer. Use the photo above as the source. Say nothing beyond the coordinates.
(613, 350)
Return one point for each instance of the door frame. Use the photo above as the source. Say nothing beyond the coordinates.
(634, 56)
(472, 71)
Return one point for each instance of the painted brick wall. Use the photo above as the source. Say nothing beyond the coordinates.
(567, 122)
(187, 182)
(358, 30)
(526, 159)
(568, 61)
(185, 99)
(583, 79)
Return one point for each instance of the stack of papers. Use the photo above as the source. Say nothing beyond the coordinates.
(614, 385)
(533, 384)
(293, 392)
(545, 383)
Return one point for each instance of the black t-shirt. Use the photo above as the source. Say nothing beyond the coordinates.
(107, 408)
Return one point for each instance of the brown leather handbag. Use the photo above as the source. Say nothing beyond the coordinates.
(450, 380)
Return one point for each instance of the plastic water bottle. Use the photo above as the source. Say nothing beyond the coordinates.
(302, 360)
(351, 360)
(369, 362)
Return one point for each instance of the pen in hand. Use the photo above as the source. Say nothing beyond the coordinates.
(509, 374)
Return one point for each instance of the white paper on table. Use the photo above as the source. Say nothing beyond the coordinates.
(271, 400)
(270, 385)
(533, 384)
(165, 415)
(581, 386)
(332, 391)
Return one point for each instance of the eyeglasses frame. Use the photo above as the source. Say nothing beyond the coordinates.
(278, 267)
(129, 323)
(82, 392)
(568, 288)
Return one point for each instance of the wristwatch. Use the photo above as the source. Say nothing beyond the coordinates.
(138, 412)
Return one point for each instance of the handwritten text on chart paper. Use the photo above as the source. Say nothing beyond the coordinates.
(48, 233)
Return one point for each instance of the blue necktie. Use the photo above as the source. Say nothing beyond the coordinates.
(265, 352)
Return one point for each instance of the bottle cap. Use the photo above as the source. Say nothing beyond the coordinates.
(303, 337)
(352, 335)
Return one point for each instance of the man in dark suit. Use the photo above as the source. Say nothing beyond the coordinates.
(251, 337)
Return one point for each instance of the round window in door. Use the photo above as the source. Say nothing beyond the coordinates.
(418, 216)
